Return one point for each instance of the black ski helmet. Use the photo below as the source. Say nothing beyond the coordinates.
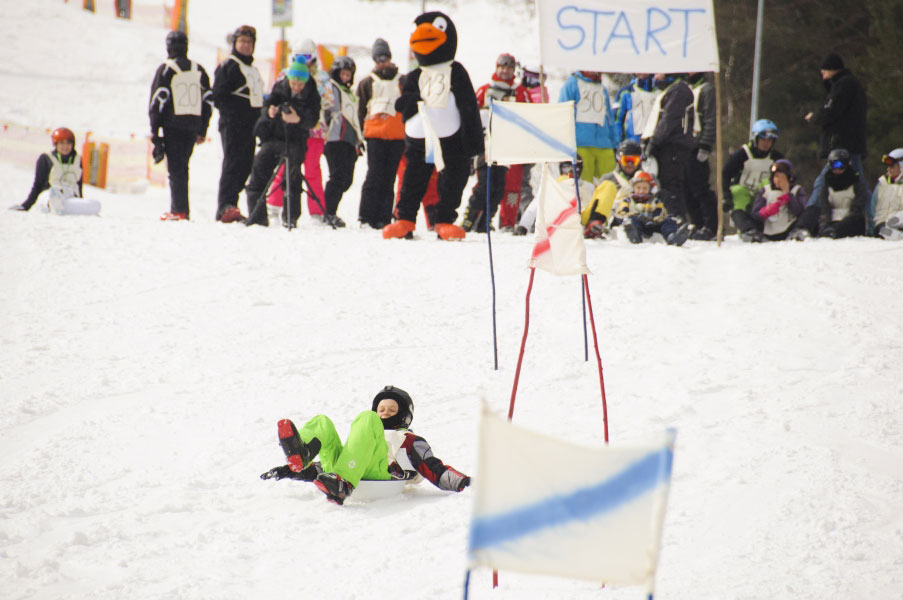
(176, 44)
(402, 419)
(839, 158)
(629, 148)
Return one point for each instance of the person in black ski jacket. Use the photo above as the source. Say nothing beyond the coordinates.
(180, 105)
(238, 95)
(842, 118)
(291, 109)
(379, 447)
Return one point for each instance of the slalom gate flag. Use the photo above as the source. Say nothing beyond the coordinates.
(641, 36)
(559, 245)
(530, 133)
(549, 507)
(432, 145)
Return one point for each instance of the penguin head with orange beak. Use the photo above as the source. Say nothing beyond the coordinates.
(435, 39)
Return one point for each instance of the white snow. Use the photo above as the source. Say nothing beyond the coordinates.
(145, 365)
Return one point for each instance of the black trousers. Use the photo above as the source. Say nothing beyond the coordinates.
(340, 158)
(178, 145)
(476, 206)
(267, 159)
(849, 226)
(238, 159)
(450, 185)
(672, 169)
(377, 193)
(701, 201)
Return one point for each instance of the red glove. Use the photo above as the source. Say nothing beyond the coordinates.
(769, 210)
(594, 229)
(783, 199)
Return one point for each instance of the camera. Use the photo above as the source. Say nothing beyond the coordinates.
(285, 108)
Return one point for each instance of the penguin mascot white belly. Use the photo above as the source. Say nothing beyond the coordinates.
(442, 128)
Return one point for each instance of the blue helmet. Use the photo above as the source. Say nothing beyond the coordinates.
(764, 128)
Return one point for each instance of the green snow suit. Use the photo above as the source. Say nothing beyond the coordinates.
(365, 454)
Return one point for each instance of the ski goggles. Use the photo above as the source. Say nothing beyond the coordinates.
(889, 160)
(246, 30)
(768, 135)
(382, 58)
(630, 160)
(308, 58)
(838, 164)
(505, 61)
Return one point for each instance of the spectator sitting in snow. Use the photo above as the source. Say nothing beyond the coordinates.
(379, 447)
(643, 213)
(886, 206)
(528, 219)
(60, 171)
(777, 206)
(596, 214)
(839, 210)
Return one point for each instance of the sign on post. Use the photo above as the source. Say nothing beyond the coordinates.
(282, 13)
(642, 36)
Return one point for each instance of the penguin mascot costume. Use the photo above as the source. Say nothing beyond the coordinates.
(446, 134)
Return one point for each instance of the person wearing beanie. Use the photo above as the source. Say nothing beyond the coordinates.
(180, 106)
(842, 117)
(501, 88)
(777, 206)
(289, 112)
(238, 95)
(380, 446)
(313, 174)
(344, 138)
(383, 133)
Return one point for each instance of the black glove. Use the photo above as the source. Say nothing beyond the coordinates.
(464, 483)
(284, 472)
(158, 151)
(727, 204)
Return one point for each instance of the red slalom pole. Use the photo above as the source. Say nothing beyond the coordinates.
(520, 360)
(523, 344)
(592, 322)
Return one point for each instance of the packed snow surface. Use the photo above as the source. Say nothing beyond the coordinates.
(145, 365)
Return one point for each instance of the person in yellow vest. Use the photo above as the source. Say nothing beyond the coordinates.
(60, 172)
(344, 138)
(180, 105)
(238, 95)
(384, 134)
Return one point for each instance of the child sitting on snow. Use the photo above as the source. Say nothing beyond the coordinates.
(643, 213)
(61, 172)
(379, 446)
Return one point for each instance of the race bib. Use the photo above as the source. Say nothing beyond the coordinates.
(435, 85)
(592, 106)
(186, 90)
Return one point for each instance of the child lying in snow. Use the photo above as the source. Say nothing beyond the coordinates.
(379, 446)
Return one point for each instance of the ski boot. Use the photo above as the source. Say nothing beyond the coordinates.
(450, 231)
(679, 237)
(298, 454)
(335, 488)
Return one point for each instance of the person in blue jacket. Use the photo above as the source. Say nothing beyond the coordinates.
(597, 131)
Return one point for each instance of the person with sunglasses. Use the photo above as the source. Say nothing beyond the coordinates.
(886, 205)
(383, 134)
(501, 88)
(238, 95)
(839, 210)
(596, 214)
(746, 170)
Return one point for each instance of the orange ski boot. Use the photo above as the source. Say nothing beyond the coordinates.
(450, 231)
(399, 229)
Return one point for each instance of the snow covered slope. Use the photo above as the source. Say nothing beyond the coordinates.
(145, 365)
